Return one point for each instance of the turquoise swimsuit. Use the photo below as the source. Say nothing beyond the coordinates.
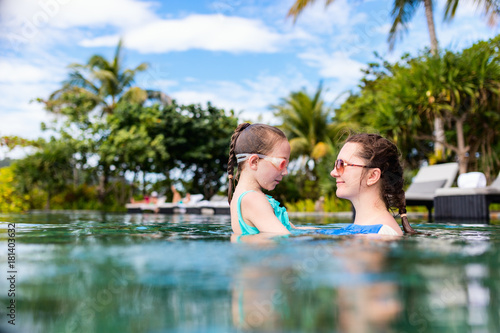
(279, 211)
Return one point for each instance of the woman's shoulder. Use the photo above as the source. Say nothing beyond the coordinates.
(386, 230)
(390, 226)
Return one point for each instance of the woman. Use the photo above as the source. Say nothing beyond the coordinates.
(369, 174)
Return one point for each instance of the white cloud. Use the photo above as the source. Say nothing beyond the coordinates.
(24, 121)
(49, 23)
(251, 97)
(383, 29)
(206, 32)
(77, 13)
(320, 19)
(18, 71)
(21, 81)
(335, 65)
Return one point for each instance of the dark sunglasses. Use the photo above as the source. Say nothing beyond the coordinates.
(341, 164)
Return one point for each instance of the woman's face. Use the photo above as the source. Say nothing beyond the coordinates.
(349, 182)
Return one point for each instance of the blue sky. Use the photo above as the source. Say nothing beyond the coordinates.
(241, 55)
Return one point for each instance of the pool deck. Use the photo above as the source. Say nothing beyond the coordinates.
(415, 216)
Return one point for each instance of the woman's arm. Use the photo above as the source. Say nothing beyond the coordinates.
(303, 228)
(260, 238)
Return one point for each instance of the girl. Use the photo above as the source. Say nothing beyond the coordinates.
(261, 154)
(369, 174)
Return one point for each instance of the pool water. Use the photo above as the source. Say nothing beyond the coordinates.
(89, 272)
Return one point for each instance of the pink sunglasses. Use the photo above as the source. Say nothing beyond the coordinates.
(279, 163)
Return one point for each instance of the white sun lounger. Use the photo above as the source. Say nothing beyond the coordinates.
(466, 204)
(429, 179)
(218, 205)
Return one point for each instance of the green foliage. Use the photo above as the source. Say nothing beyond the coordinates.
(108, 131)
(401, 101)
(306, 205)
(331, 204)
(308, 124)
(11, 201)
(203, 152)
(134, 140)
(334, 204)
(388, 104)
(49, 169)
(91, 94)
(85, 197)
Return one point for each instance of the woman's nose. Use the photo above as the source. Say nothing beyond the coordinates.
(334, 173)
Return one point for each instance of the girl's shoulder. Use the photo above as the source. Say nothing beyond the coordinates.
(254, 196)
(250, 198)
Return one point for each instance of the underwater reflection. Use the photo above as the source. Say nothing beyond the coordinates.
(308, 294)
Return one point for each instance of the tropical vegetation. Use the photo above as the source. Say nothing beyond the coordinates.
(402, 13)
(108, 145)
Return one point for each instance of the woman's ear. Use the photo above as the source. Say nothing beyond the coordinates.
(373, 176)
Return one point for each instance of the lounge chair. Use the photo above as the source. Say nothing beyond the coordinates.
(467, 204)
(428, 179)
(192, 206)
(217, 205)
(140, 207)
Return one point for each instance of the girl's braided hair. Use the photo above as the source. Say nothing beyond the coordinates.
(250, 139)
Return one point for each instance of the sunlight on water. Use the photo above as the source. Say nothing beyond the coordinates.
(88, 272)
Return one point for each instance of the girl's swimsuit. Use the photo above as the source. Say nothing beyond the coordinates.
(353, 229)
(279, 211)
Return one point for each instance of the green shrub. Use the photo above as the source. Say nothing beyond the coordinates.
(10, 200)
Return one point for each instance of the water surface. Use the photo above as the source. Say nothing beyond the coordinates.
(91, 272)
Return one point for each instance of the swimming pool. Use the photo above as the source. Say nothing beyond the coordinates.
(88, 272)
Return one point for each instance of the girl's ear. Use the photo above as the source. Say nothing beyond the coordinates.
(373, 176)
(253, 161)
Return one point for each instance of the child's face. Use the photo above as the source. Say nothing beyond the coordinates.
(348, 183)
(269, 175)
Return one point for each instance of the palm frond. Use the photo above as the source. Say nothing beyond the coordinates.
(490, 8)
(163, 98)
(401, 14)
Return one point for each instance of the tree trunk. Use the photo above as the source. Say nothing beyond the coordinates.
(47, 203)
(429, 15)
(438, 122)
(462, 149)
(103, 181)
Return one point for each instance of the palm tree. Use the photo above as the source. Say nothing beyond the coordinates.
(468, 95)
(100, 85)
(306, 121)
(104, 83)
(402, 13)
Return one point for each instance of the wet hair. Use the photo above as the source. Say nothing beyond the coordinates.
(250, 139)
(383, 154)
